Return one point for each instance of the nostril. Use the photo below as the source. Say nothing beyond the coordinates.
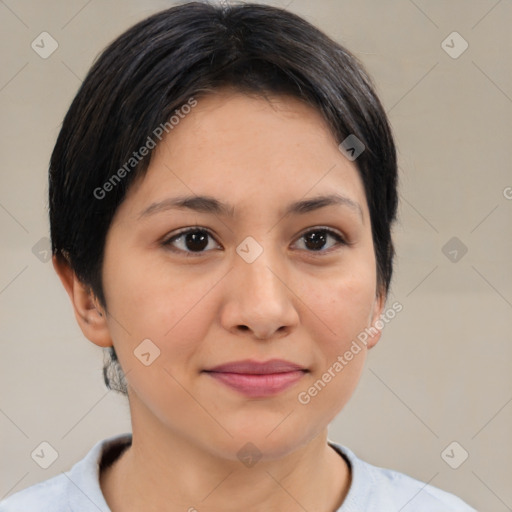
(243, 327)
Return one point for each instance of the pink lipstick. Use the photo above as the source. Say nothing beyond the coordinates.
(258, 379)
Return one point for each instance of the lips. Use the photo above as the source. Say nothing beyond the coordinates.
(257, 368)
(258, 379)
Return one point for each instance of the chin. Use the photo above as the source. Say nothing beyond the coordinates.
(268, 435)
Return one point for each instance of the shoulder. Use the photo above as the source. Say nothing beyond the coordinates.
(379, 489)
(42, 497)
(76, 489)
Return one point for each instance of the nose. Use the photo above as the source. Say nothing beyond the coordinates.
(260, 303)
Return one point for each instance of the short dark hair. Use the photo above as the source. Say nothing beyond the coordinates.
(187, 51)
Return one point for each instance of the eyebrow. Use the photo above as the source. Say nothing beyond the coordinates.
(207, 204)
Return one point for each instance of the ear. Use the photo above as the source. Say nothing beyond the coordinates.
(378, 309)
(91, 317)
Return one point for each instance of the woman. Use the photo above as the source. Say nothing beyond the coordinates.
(222, 193)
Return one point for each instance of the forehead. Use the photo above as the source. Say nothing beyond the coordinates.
(253, 123)
(240, 147)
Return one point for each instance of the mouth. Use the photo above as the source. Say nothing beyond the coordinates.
(258, 379)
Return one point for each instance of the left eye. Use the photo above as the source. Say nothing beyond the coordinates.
(319, 239)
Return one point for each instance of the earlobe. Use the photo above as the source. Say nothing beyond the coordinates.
(91, 317)
(375, 331)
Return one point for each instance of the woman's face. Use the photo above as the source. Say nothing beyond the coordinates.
(224, 252)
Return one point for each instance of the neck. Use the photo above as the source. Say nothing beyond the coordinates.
(166, 472)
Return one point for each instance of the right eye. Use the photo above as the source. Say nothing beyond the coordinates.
(192, 241)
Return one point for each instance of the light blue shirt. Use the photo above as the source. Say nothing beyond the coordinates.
(372, 489)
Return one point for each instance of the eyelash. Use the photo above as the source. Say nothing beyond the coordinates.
(340, 241)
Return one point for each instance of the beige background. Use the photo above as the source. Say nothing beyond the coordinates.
(441, 372)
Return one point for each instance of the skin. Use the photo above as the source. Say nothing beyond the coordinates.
(212, 307)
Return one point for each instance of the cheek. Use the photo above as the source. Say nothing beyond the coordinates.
(174, 312)
(148, 301)
(341, 309)
(344, 304)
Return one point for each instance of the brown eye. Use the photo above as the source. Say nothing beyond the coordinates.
(196, 240)
(320, 240)
(192, 241)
